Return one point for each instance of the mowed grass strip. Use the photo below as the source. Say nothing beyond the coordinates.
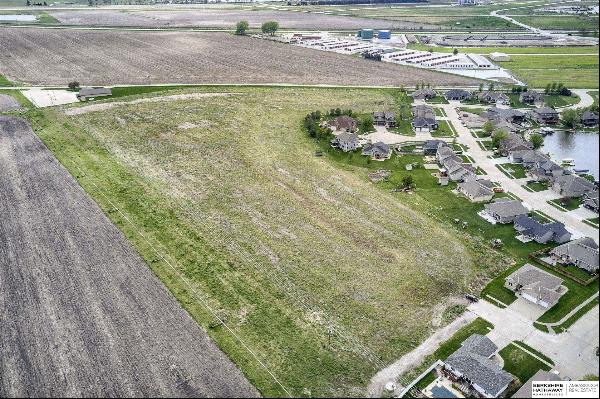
(284, 245)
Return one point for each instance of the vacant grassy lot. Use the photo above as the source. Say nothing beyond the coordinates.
(51, 56)
(561, 22)
(575, 71)
(285, 245)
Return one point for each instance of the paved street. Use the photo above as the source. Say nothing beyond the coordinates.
(536, 201)
(573, 352)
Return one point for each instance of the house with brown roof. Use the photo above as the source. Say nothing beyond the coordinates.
(344, 123)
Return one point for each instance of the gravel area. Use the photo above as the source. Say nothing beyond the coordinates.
(213, 18)
(8, 103)
(57, 56)
(81, 313)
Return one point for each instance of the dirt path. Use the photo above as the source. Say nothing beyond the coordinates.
(104, 106)
(81, 314)
(415, 357)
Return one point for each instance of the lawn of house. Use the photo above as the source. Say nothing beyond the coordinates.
(444, 130)
(536, 186)
(437, 100)
(569, 204)
(520, 363)
(513, 170)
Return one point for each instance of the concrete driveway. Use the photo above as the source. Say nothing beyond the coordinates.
(573, 352)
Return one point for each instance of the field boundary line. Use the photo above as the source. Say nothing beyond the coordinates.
(187, 283)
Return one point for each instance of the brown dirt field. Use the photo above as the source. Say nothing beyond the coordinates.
(81, 313)
(57, 56)
(212, 18)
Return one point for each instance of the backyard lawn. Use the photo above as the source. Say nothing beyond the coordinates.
(444, 130)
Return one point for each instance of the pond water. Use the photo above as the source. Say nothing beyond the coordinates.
(17, 18)
(581, 146)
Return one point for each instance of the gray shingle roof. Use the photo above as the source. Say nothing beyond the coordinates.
(533, 228)
(582, 252)
(472, 361)
(506, 208)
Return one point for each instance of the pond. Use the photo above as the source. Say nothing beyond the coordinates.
(580, 146)
(17, 18)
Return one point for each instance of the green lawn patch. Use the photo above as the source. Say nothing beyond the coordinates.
(579, 314)
(566, 204)
(592, 222)
(520, 363)
(437, 100)
(444, 130)
(512, 170)
(425, 381)
(534, 351)
(476, 111)
(536, 186)
(5, 82)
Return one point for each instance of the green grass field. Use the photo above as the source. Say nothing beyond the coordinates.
(282, 243)
(5, 82)
(561, 22)
(575, 71)
(591, 50)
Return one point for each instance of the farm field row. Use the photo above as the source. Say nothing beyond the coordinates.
(561, 22)
(231, 192)
(58, 57)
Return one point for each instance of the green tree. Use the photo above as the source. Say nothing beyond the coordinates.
(241, 27)
(270, 27)
(455, 51)
(407, 182)
(480, 87)
(537, 140)
(498, 136)
(488, 128)
(74, 85)
(569, 118)
(366, 124)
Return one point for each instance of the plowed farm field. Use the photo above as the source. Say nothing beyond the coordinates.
(57, 56)
(213, 18)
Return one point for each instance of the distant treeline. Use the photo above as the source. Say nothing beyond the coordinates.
(342, 2)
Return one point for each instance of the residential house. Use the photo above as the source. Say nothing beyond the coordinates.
(445, 152)
(589, 119)
(505, 210)
(528, 158)
(345, 123)
(545, 115)
(541, 233)
(531, 97)
(459, 172)
(514, 142)
(423, 111)
(457, 95)
(535, 285)
(424, 94)
(430, 147)
(526, 391)
(572, 186)
(582, 253)
(472, 364)
(493, 97)
(385, 118)
(545, 171)
(507, 114)
(424, 125)
(476, 191)
(86, 93)
(377, 151)
(346, 142)
(590, 201)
